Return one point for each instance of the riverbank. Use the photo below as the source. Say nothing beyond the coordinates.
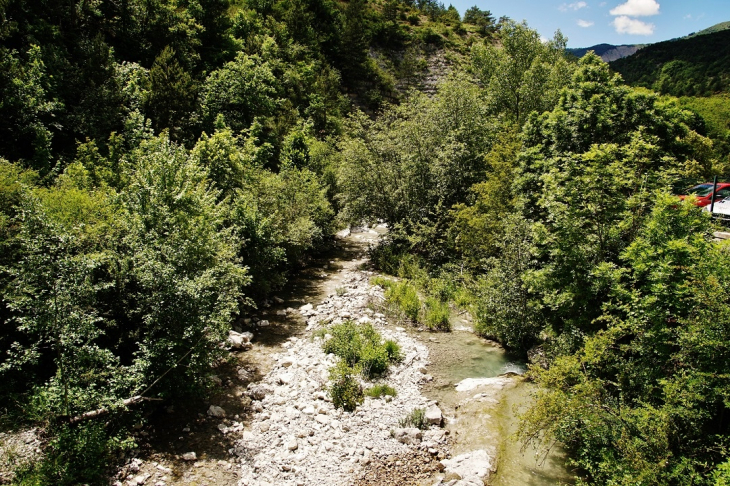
(272, 421)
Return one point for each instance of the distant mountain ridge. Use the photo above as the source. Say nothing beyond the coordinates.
(692, 66)
(608, 52)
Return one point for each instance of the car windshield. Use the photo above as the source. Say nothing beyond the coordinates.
(701, 191)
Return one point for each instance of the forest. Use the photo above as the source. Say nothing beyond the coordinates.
(693, 66)
(166, 165)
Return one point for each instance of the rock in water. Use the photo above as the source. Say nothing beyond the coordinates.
(472, 466)
(434, 416)
(189, 456)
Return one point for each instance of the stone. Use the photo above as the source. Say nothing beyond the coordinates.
(138, 480)
(258, 391)
(216, 411)
(189, 456)
(240, 340)
(410, 435)
(292, 445)
(472, 383)
(475, 466)
(434, 416)
(264, 323)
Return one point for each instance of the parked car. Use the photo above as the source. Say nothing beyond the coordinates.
(721, 207)
(703, 193)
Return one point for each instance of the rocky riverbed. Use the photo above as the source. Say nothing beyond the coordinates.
(296, 435)
(276, 422)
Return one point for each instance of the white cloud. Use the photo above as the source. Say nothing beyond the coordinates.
(602, 4)
(585, 23)
(627, 25)
(637, 8)
(572, 6)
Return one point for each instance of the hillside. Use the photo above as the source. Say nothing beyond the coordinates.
(695, 66)
(711, 30)
(607, 52)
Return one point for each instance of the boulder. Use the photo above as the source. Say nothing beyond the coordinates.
(434, 416)
(189, 456)
(216, 411)
(471, 383)
(240, 340)
(472, 467)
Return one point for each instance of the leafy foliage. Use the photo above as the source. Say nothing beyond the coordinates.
(361, 351)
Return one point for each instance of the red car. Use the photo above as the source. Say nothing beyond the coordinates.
(703, 193)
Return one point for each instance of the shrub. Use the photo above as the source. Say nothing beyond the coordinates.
(417, 419)
(373, 359)
(361, 347)
(361, 351)
(378, 391)
(393, 350)
(345, 391)
(436, 315)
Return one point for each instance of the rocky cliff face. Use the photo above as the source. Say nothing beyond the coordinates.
(608, 52)
(619, 52)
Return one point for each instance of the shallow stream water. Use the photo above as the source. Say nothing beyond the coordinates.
(489, 421)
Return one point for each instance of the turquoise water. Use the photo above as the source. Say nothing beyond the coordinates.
(489, 425)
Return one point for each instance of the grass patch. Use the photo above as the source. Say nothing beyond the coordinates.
(379, 391)
(401, 297)
(417, 419)
(435, 315)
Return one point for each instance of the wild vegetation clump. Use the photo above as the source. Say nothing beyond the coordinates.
(379, 391)
(416, 418)
(363, 352)
(402, 299)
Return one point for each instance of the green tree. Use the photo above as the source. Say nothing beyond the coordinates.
(171, 97)
(588, 172)
(520, 73)
(241, 91)
(414, 163)
(26, 109)
(644, 401)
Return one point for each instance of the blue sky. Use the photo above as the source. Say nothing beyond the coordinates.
(590, 22)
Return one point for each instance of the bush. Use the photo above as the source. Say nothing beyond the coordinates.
(345, 391)
(373, 360)
(417, 419)
(393, 350)
(378, 391)
(436, 315)
(361, 348)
